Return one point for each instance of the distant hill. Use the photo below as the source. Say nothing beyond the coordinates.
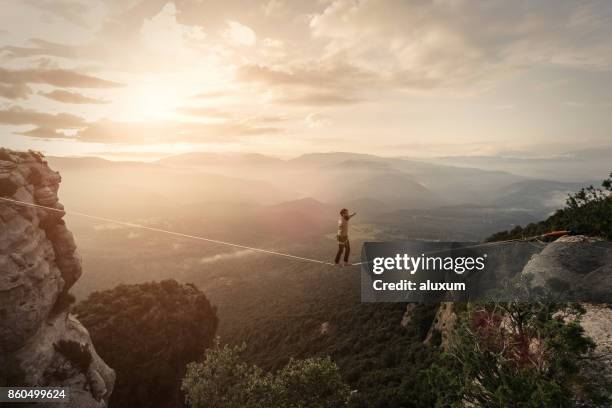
(355, 164)
(451, 184)
(125, 188)
(452, 223)
(537, 194)
(215, 159)
(327, 159)
(297, 218)
(335, 177)
(93, 163)
(575, 166)
(395, 189)
(369, 209)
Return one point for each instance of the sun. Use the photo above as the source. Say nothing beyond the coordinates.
(150, 101)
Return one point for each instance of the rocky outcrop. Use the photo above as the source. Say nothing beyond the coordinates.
(584, 264)
(443, 323)
(580, 263)
(407, 317)
(38, 265)
(597, 324)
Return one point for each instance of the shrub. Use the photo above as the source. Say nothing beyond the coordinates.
(224, 380)
(516, 354)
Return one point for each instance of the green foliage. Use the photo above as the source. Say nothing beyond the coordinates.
(588, 211)
(147, 333)
(376, 355)
(516, 355)
(76, 353)
(313, 382)
(224, 380)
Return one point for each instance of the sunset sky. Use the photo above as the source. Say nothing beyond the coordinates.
(143, 78)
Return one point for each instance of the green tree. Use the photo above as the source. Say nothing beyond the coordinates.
(224, 380)
(311, 383)
(148, 333)
(516, 354)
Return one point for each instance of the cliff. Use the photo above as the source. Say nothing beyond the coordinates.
(41, 344)
(569, 259)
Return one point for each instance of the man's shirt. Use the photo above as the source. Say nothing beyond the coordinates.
(343, 227)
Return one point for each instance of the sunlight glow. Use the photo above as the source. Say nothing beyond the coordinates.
(151, 100)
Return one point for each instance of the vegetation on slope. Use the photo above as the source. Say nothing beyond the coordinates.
(589, 211)
(147, 333)
(224, 380)
(518, 354)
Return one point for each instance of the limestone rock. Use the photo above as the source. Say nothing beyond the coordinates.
(581, 263)
(407, 317)
(38, 264)
(597, 324)
(444, 323)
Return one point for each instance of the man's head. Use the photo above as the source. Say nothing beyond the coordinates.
(344, 212)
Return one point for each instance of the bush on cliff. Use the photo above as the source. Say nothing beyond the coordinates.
(148, 333)
(518, 354)
(224, 380)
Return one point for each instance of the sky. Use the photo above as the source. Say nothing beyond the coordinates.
(144, 78)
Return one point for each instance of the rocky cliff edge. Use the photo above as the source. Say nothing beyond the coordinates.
(41, 344)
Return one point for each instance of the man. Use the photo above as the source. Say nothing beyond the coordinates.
(343, 240)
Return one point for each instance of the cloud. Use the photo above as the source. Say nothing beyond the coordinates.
(320, 99)
(43, 47)
(63, 125)
(268, 119)
(55, 77)
(107, 131)
(46, 125)
(227, 115)
(317, 120)
(200, 111)
(70, 97)
(163, 34)
(321, 84)
(321, 75)
(16, 115)
(239, 34)
(15, 91)
(44, 133)
(574, 104)
(433, 44)
(212, 94)
(71, 11)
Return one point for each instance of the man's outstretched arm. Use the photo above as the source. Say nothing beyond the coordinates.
(352, 215)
